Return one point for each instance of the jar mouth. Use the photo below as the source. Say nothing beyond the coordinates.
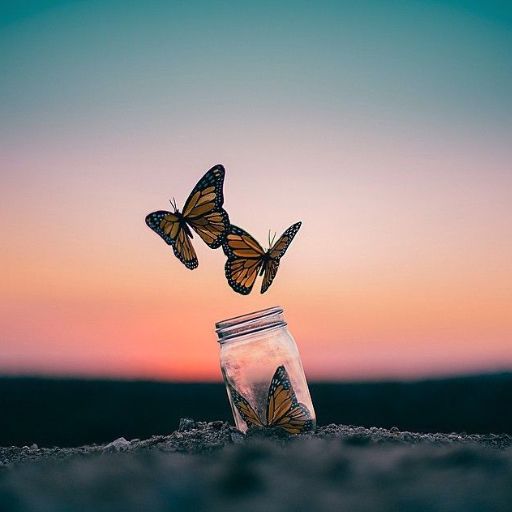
(249, 323)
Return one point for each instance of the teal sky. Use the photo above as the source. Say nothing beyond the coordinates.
(128, 61)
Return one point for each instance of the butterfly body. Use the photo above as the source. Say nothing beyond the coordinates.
(182, 221)
(264, 262)
(202, 212)
(247, 259)
(282, 408)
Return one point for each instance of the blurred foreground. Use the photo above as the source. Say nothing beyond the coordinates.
(57, 412)
(212, 467)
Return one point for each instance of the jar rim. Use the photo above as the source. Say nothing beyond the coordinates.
(249, 323)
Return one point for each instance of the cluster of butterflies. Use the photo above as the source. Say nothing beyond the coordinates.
(203, 213)
(282, 409)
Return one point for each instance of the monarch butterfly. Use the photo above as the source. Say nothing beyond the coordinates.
(246, 258)
(282, 410)
(202, 211)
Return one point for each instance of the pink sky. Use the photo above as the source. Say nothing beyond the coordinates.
(394, 273)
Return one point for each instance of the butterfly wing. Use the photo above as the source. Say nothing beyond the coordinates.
(269, 274)
(283, 409)
(203, 208)
(167, 225)
(248, 414)
(245, 258)
(184, 251)
(276, 252)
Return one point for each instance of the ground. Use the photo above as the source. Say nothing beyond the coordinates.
(213, 467)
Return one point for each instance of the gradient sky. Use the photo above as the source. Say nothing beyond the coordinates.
(386, 127)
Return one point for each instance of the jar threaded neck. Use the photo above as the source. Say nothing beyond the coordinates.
(250, 323)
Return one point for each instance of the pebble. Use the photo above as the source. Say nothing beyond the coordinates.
(186, 424)
(117, 445)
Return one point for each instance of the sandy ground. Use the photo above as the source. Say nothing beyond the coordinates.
(212, 467)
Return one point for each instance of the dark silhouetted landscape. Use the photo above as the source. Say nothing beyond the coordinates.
(70, 412)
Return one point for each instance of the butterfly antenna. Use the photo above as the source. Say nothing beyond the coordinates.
(273, 238)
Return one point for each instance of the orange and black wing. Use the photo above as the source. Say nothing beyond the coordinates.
(244, 408)
(167, 225)
(203, 208)
(245, 258)
(283, 409)
(276, 252)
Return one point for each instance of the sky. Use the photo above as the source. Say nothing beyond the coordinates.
(384, 126)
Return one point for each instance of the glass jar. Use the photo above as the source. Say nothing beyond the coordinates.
(263, 373)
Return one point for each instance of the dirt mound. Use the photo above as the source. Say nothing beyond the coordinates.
(213, 467)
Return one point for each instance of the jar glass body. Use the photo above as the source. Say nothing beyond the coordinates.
(253, 349)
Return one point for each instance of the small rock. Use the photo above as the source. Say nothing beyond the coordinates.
(186, 424)
(118, 445)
